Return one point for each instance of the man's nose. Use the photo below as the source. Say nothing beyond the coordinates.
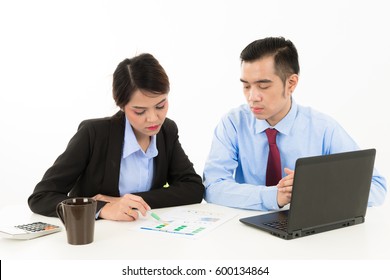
(254, 95)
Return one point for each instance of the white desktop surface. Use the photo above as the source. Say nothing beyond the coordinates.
(230, 241)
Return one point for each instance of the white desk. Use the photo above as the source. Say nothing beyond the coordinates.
(231, 241)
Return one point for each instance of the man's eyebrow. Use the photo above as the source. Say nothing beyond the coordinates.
(263, 81)
(140, 107)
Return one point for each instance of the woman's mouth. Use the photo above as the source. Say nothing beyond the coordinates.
(153, 127)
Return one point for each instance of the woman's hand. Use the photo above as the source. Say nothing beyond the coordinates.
(123, 208)
(106, 198)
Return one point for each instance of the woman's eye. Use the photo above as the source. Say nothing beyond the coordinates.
(139, 113)
(160, 107)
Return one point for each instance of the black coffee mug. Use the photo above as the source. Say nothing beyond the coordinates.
(78, 216)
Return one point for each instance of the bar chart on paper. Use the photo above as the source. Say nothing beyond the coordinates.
(187, 222)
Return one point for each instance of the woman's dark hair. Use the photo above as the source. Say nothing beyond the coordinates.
(141, 72)
(284, 52)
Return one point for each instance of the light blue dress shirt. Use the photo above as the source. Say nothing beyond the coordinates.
(235, 171)
(136, 170)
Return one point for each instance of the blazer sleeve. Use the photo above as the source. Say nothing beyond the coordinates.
(61, 177)
(174, 168)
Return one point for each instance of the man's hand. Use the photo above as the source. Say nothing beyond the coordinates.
(285, 186)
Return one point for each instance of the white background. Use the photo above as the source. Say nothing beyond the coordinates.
(57, 58)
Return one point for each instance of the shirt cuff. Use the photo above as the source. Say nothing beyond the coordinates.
(99, 207)
(269, 197)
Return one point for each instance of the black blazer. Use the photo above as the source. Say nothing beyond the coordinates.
(90, 165)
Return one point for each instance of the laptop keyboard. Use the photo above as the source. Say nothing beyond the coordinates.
(280, 224)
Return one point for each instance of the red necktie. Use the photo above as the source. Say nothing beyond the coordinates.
(274, 168)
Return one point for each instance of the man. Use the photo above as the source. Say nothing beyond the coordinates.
(235, 171)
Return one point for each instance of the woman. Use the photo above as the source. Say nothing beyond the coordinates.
(130, 162)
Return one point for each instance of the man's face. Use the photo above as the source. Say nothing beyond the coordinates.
(268, 98)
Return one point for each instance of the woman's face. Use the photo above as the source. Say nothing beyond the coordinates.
(146, 112)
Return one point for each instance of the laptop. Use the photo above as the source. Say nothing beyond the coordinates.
(329, 192)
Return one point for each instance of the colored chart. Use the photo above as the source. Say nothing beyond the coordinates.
(187, 222)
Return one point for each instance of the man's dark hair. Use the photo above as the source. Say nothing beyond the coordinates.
(284, 52)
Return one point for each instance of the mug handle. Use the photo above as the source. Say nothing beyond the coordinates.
(60, 212)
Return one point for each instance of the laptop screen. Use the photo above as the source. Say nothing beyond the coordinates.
(330, 188)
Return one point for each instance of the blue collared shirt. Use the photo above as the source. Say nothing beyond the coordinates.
(235, 171)
(136, 171)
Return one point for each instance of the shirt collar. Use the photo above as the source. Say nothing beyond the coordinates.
(284, 126)
(131, 145)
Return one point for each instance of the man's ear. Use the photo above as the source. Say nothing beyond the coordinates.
(292, 83)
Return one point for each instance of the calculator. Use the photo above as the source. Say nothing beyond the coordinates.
(28, 231)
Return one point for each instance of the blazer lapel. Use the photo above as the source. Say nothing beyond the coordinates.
(114, 153)
(160, 162)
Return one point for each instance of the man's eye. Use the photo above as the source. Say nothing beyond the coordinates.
(139, 113)
(160, 107)
(262, 87)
